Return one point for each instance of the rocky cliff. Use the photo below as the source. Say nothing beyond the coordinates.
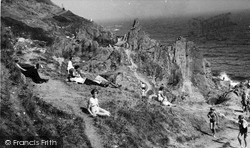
(180, 65)
(39, 31)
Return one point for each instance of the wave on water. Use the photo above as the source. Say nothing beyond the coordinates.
(223, 76)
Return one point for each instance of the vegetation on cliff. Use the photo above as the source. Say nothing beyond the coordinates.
(39, 31)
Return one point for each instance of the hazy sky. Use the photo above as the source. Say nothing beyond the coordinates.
(100, 10)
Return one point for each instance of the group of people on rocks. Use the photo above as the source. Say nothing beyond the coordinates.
(93, 103)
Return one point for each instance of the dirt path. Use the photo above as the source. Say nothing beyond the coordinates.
(226, 138)
(133, 67)
(65, 98)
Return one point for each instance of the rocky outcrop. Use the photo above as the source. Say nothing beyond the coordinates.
(180, 65)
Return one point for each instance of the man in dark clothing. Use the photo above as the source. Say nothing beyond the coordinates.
(213, 120)
(245, 101)
(31, 72)
(242, 129)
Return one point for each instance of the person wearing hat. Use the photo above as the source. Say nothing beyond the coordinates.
(212, 115)
(242, 130)
(93, 105)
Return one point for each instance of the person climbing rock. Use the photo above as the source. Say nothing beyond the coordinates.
(93, 105)
(214, 120)
(242, 130)
(30, 71)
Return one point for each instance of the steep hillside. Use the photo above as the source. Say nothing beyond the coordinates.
(37, 31)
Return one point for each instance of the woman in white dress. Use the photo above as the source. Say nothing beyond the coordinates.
(93, 105)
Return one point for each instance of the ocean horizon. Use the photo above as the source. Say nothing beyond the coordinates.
(231, 57)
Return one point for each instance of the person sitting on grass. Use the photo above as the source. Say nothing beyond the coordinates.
(75, 75)
(163, 99)
(30, 71)
(93, 105)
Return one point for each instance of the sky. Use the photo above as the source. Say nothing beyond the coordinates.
(105, 10)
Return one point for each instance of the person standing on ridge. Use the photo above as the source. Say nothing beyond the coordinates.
(242, 130)
(214, 120)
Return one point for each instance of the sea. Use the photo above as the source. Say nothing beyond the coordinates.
(230, 57)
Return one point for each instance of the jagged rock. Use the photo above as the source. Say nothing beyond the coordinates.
(133, 34)
(181, 65)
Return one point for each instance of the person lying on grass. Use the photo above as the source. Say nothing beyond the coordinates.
(93, 105)
(30, 71)
(99, 81)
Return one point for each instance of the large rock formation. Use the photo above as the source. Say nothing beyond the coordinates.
(180, 65)
(135, 121)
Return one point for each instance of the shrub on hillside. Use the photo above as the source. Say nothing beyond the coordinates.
(20, 29)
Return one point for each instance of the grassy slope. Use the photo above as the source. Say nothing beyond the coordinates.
(134, 122)
(25, 115)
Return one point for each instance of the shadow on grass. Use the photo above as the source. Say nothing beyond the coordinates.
(203, 132)
(232, 128)
(240, 111)
(225, 144)
(84, 110)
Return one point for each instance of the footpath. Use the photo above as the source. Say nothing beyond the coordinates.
(67, 99)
